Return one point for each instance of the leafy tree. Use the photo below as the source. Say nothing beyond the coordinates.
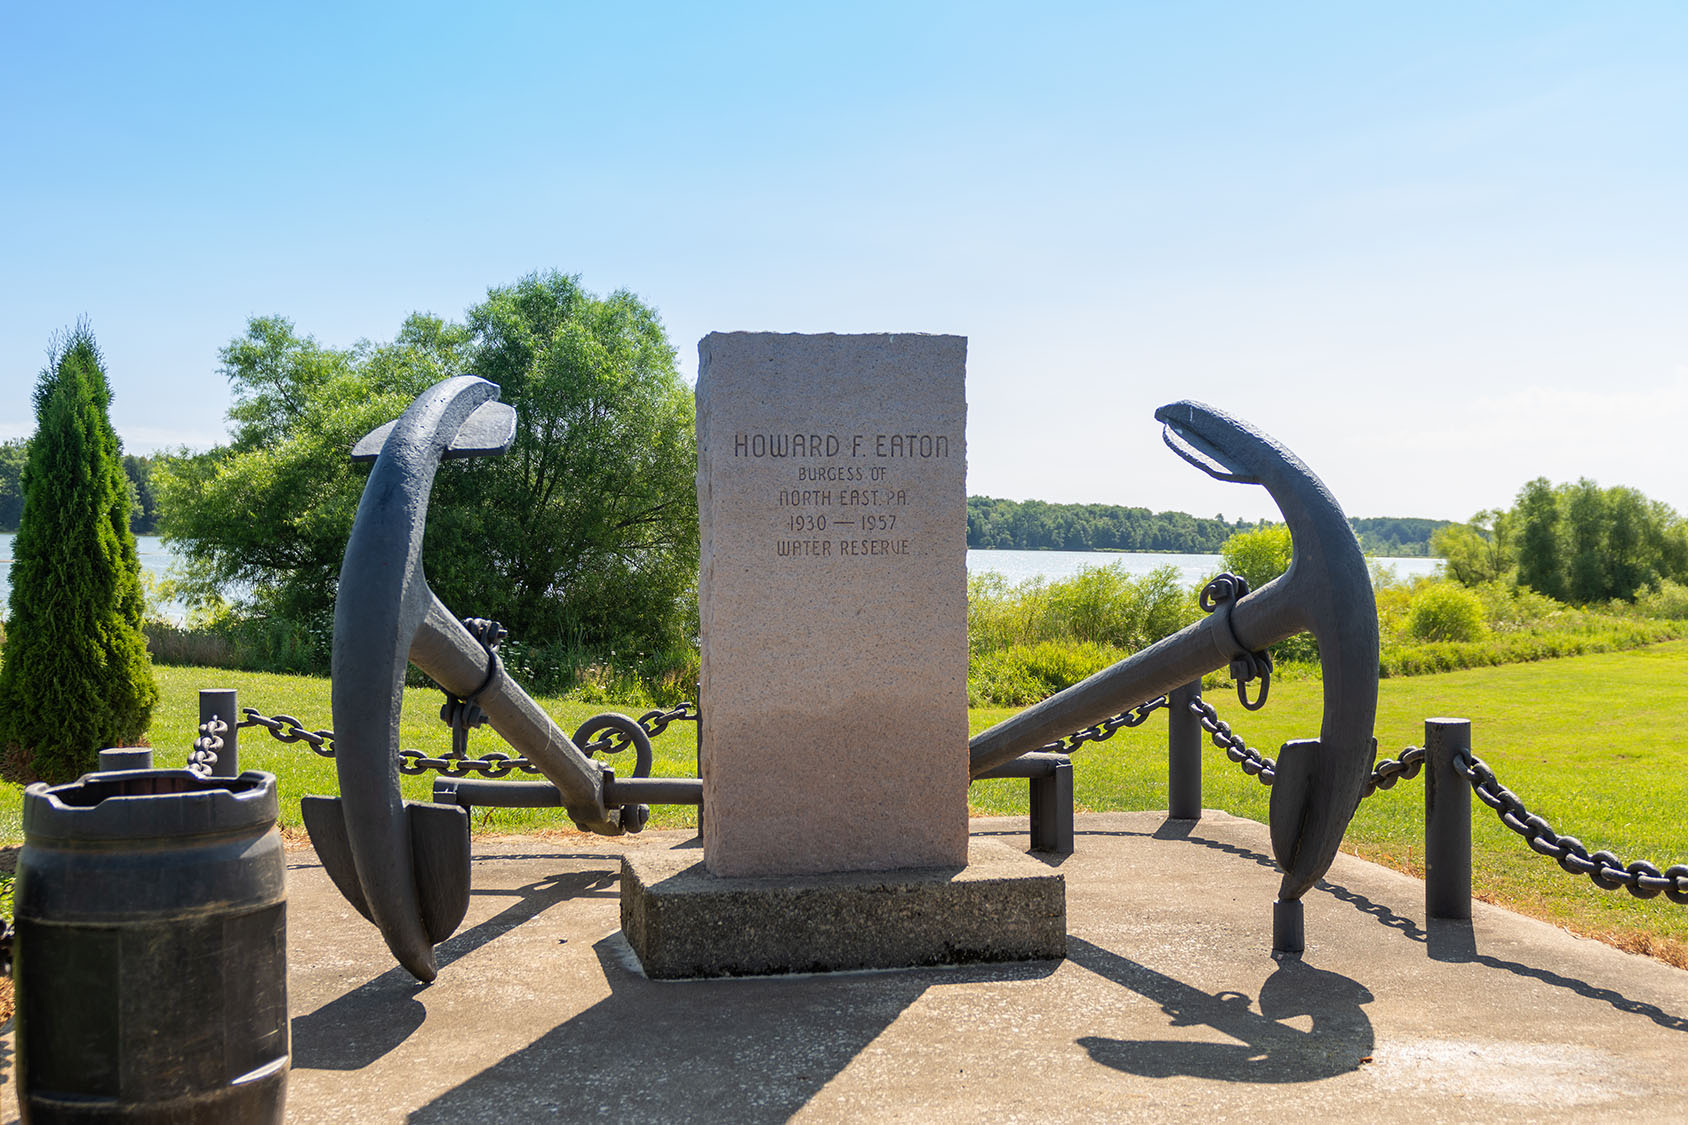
(1476, 552)
(143, 516)
(74, 675)
(1539, 539)
(1584, 519)
(592, 516)
(1258, 556)
(13, 454)
(1396, 536)
(266, 517)
(584, 533)
(1571, 542)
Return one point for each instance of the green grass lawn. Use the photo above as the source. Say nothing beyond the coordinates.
(1586, 742)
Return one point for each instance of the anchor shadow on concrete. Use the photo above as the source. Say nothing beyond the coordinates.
(359, 1027)
(1268, 1048)
(742, 1050)
(1453, 942)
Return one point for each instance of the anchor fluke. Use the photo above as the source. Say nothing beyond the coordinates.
(439, 849)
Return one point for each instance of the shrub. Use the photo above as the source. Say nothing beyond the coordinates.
(1446, 611)
(1667, 599)
(1258, 556)
(1098, 605)
(75, 677)
(1022, 674)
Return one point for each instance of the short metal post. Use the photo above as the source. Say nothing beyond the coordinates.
(221, 704)
(1447, 821)
(1289, 927)
(1052, 810)
(1184, 754)
(126, 758)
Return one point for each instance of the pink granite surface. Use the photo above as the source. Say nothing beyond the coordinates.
(833, 601)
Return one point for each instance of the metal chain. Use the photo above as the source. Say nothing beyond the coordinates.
(285, 728)
(1104, 730)
(1640, 878)
(1383, 776)
(207, 746)
(1387, 772)
(1253, 762)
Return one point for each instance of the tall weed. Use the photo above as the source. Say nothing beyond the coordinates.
(1101, 605)
(1023, 674)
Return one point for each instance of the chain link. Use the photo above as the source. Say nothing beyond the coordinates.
(1608, 872)
(1383, 776)
(1253, 762)
(1387, 772)
(1104, 730)
(285, 728)
(207, 746)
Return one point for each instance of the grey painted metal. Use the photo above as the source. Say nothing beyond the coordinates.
(1032, 765)
(471, 793)
(626, 791)
(151, 950)
(222, 703)
(1289, 927)
(384, 616)
(1326, 591)
(1051, 804)
(449, 653)
(1052, 810)
(1184, 754)
(1447, 821)
(484, 433)
(126, 758)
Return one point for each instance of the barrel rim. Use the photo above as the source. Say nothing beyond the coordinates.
(206, 806)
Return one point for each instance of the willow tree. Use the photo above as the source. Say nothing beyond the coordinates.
(74, 675)
(585, 534)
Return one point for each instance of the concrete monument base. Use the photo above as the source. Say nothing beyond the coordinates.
(683, 922)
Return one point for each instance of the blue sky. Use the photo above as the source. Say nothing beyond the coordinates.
(1437, 249)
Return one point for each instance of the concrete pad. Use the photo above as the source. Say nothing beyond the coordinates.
(683, 922)
(1167, 1007)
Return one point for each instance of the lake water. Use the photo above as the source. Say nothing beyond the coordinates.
(155, 560)
(1016, 566)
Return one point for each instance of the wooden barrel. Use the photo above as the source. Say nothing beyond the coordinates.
(151, 950)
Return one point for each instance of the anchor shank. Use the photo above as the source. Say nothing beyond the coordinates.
(447, 651)
(1260, 619)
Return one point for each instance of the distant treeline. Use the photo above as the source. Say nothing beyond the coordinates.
(1030, 525)
(1396, 536)
(1035, 525)
(143, 517)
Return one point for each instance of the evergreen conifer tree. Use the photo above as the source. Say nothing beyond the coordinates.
(74, 674)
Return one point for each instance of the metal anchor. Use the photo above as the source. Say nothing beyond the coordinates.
(405, 864)
(1326, 591)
